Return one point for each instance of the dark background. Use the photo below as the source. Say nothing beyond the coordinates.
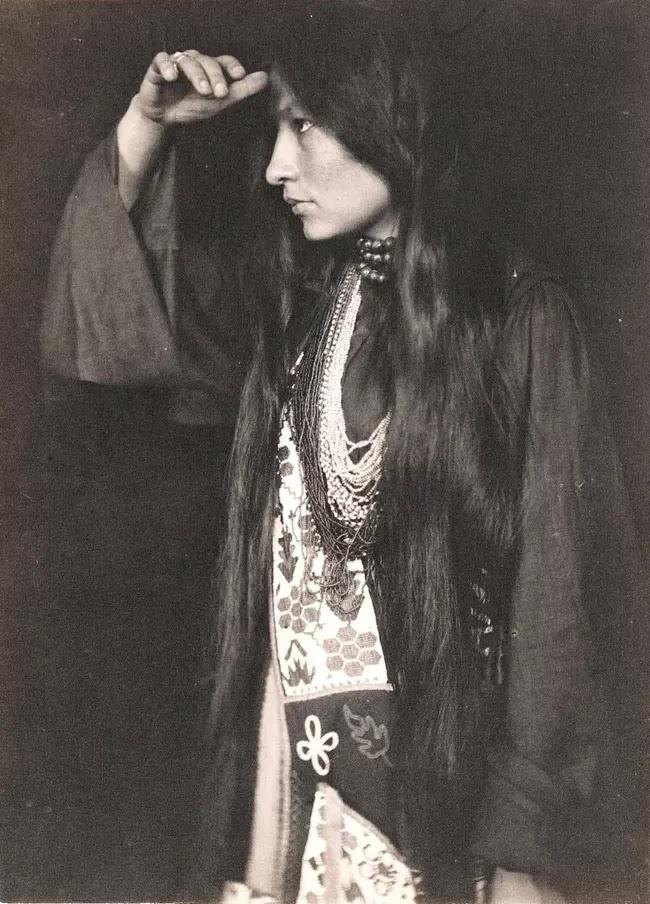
(110, 516)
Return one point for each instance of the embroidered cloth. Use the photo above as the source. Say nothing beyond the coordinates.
(328, 838)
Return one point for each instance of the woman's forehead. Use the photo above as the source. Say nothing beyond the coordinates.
(283, 99)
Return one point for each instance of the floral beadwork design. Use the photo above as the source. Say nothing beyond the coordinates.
(372, 740)
(286, 558)
(317, 747)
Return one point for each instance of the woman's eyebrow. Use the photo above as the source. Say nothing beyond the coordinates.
(288, 109)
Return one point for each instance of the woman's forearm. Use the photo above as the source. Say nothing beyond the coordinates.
(139, 143)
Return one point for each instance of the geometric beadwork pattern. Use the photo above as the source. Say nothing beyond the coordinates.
(346, 859)
(350, 651)
(317, 651)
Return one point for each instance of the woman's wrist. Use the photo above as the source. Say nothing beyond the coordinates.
(139, 142)
(146, 119)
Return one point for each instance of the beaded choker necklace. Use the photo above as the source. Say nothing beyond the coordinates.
(375, 258)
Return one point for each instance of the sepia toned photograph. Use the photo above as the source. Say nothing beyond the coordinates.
(324, 443)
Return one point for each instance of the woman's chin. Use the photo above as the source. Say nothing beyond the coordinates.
(315, 233)
(319, 231)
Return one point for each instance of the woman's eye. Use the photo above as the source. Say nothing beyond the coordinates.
(302, 124)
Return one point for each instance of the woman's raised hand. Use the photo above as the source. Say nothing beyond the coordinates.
(189, 86)
(183, 87)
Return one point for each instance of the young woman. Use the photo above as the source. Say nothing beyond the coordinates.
(405, 683)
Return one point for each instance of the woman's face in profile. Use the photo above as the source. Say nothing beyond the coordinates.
(332, 192)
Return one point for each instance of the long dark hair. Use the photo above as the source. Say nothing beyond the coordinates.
(450, 483)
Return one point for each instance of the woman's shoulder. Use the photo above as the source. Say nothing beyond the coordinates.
(533, 286)
(541, 328)
(536, 298)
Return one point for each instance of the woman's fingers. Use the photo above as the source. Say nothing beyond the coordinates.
(225, 75)
(214, 73)
(221, 71)
(162, 69)
(198, 107)
(199, 86)
(190, 63)
(232, 66)
(247, 86)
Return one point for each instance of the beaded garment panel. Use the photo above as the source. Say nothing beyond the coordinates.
(346, 859)
(323, 643)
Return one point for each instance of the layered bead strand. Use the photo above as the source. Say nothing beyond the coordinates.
(352, 469)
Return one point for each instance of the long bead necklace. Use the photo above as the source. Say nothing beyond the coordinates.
(341, 488)
(352, 469)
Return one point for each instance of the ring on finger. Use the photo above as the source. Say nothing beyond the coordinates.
(179, 55)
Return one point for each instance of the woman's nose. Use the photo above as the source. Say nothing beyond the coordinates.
(282, 165)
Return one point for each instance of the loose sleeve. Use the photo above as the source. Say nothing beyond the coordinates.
(105, 319)
(131, 303)
(561, 634)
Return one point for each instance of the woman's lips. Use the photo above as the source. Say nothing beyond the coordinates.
(297, 205)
